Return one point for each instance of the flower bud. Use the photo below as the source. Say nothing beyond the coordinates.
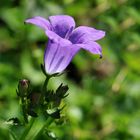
(61, 91)
(23, 88)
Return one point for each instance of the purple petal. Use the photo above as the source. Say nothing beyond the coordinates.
(62, 25)
(39, 21)
(56, 38)
(92, 47)
(58, 56)
(83, 34)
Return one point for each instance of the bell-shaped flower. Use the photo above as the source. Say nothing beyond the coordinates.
(65, 40)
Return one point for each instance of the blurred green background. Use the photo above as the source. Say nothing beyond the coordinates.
(104, 99)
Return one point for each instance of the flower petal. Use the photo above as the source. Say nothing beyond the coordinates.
(62, 25)
(58, 56)
(83, 34)
(39, 21)
(92, 47)
(56, 38)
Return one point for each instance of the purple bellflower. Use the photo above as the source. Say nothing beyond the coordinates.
(65, 40)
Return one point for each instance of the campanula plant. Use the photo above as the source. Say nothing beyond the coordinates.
(65, 40)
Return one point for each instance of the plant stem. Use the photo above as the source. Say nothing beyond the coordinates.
(13, 135)
(24, 110)
(35, 128)
(45, 84)
(44, 89)
(47, 123)
(27, 130)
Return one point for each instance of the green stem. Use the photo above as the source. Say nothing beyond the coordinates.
(45, 84)
(24, 110)
(13, 135)
(46, 125)
(27, 130)
(35, 129)
(44, 89)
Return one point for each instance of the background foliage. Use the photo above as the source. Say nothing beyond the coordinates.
(103, 103)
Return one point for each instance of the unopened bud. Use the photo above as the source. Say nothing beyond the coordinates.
(23, 87)
(61, 91)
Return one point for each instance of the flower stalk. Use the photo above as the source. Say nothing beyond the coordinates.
(24, 109)
(44, 88)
